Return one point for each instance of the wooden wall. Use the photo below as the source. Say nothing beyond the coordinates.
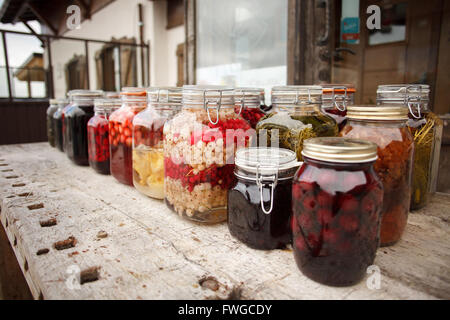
(23, 121)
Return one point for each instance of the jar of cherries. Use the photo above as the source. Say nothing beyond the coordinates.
(98, 140)
(248, 104)
(199, 147)
(148, 125)
(335, 99)
(134, 100)
(337, 200)
(76, 118)
(259, 204)
(386, 126)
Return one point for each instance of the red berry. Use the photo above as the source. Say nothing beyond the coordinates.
(309, 203)
(325, 216)
(324, 199)
(349, 222)
(348, 203)
(300, 243)
(313, 241)
(305, 220)
(330, 236)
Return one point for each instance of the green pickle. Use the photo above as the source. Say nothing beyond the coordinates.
(296, 128)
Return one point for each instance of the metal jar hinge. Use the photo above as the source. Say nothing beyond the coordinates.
(344, 101)
(409, 101)
(218, 104)
(261, 182)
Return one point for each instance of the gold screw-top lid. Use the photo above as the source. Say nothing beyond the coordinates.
(342, 150)
(371, 112)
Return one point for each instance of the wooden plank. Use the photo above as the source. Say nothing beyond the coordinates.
(151, 253)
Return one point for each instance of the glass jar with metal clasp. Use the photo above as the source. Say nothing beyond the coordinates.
(426, 129)
(259, 204)
(335, 99)
(199, 147)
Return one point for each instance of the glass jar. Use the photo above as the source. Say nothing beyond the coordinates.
(134, 100)
(426, 129)
(148, 154)
(248, 103)
(57, 124)
(199, 147)
(295, 117)
(98, 139)
(337, 200)
(50, 130)
(76, 117)
(386, 126)
(335, 99)
(259, 204)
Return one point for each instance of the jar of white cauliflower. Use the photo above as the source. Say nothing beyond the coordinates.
(199, 147)
(148, 157)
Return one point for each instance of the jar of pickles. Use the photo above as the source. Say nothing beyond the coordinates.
(259, 204)
(57, 124)
(98, 140)
(295, 117)
(134, 100)
(148, 125)
(248, 104)
(76, 118)
(335, 100)
(426, 129)
(50, 112)
(199, 147)
(337, 200)
(386, 126)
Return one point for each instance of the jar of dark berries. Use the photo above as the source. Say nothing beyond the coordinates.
(199, 147)
(259, 204)
(337, 200)
(57, 124)
(76, 118)
(295, 117)
(386, 126)
(63, 114)
(148, 125)
(98, 139)
(134, 100)
(426, 129)
(248, 104)
(335, 99)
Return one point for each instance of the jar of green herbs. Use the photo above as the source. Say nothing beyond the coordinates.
(295, 117)
(426, 129)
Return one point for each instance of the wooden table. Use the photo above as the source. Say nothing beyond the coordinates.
(138, 249)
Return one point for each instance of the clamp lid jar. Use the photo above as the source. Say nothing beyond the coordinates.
(259, 205)
(248, 103)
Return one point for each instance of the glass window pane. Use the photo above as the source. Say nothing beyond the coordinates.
(241, 43)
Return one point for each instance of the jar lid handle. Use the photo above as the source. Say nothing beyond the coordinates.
(217, 108)
(273, 182)
(344, 101)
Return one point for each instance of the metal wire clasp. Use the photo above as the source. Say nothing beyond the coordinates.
(409, 101)
(261, 182)
(158, 97)
(218, 104)
(344, 101)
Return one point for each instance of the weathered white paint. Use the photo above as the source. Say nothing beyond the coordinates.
(120, 19)
(151, 253)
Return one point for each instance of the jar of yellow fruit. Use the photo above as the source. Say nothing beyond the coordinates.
(148, 156)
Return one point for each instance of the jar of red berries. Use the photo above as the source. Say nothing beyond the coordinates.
(98, 140)
(259, 204)
(148, 125)
(199, 147)
(76, 118)
(248, 104)
(57, 124)
(337, 200)
(386, 126)
(134, 100)
(335, 99)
